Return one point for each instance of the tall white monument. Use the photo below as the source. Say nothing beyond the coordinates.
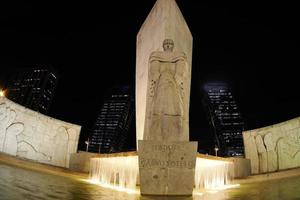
(163, 76)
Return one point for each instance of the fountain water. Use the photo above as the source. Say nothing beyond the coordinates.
(122, 172)
(212, 174)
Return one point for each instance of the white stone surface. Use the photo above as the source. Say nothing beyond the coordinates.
(165, 21)
(80, 161)
(273, 148)
(251, 151)
(28, 134)
(167, 168)
(242, 167)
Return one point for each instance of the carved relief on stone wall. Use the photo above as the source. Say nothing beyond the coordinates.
(272, 161)
(251, 150)
(36, 137)
(9, 130)
(27, 150)
(61, 143)
(166, 113)
(277, 147)
(289, 150)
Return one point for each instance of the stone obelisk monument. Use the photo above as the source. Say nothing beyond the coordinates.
(163, 76)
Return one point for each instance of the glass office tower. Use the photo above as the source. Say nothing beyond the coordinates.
(33, 87)
(225, 119)
(112, 125)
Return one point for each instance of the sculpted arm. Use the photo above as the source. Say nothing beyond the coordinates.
(181, 76)
(153, 76)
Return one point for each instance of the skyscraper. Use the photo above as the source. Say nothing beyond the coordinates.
(112, 125)
(225, 119)
(33, 87)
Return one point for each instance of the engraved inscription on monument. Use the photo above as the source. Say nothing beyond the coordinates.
(161, 163)
(144, 163)
(167, 151)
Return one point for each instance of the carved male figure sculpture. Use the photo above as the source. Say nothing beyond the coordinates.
(166, 99)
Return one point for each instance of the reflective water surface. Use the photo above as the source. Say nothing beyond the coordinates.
(16, 183)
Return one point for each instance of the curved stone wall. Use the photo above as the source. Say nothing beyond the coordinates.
(28, 134)
(273, 148)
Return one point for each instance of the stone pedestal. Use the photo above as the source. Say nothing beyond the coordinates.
(167, 168)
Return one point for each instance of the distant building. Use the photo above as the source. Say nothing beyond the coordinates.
(225, 119)
(112, 125)
(33, 87)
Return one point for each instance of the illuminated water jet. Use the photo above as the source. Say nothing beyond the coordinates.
(121, 173)
(212, 174)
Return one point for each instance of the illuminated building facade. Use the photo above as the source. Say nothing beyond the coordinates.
(111, 129)
(225, 119)
(33, 87)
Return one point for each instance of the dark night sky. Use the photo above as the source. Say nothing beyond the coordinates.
(255, 46)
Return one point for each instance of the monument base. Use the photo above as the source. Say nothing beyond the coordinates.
(167, 168)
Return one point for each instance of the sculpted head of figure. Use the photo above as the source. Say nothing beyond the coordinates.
(168, 45)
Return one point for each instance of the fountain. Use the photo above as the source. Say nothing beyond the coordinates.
(122, 172)
(119, 172)
(212, 174)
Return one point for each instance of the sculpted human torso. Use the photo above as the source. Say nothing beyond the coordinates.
(167, 79)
